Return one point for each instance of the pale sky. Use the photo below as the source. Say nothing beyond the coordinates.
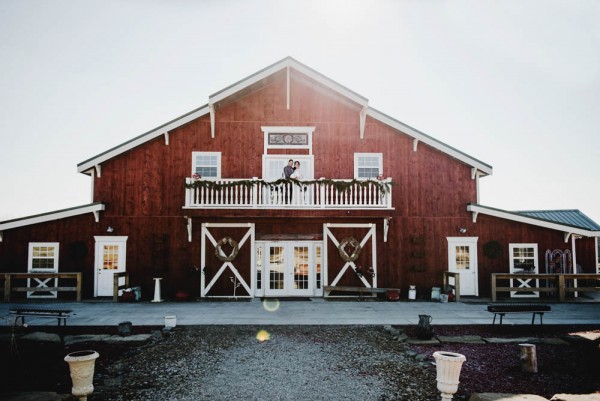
(515, 84)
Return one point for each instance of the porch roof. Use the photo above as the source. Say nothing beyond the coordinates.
(569, 221)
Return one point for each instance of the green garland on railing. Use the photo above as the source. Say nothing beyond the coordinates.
(340, 186)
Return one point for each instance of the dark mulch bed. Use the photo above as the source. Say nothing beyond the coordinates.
(571, 368)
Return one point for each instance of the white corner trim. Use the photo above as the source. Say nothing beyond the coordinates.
(57, 215)
(386, 227)
(415, 144)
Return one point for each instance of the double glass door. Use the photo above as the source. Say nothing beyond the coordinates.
(289, 268)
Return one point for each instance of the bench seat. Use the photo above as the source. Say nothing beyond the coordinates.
(61, 315)
(510, 308)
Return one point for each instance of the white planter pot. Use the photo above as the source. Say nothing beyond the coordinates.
(448, 366)
(170, 321)
(81, 366)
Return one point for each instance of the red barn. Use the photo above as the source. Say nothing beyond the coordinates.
(203, 203)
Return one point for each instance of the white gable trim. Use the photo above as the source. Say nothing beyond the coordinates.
(421, 137)
(503, 214)
(93, 208)
(280, 65)
(162, 130)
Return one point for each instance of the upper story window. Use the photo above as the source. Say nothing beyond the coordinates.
(43, 257)
(207, 164)
(368, 165)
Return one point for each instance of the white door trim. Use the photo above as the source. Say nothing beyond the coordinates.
(472, 243)
(122, 241)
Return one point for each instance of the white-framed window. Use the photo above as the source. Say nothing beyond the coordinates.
(207, 164)
(368, 165)
(43, 257)
(523, 259)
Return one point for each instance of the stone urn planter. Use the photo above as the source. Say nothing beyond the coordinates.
(81, 366)
(448, 366)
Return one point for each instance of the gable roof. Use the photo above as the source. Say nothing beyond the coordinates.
(568, 221)
(286, 63)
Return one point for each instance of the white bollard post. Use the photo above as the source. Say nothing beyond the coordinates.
(157, 297)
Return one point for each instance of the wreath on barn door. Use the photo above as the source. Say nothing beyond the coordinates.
(221, 255)
(353, 245)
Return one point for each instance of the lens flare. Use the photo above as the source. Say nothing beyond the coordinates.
(271, 305)
(263, 335)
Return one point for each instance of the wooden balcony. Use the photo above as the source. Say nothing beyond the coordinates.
(288, 194)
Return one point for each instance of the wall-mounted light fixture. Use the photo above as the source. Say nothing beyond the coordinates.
(110, 229)
(462, 230)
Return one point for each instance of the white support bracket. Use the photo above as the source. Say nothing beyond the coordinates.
(473, 173)
(567, 235)
(166, 134)
(211, 109)
(0, 236)
(386, 227)
(363, 121)
(474, 215)
(98, 170)
(96, 215)
(415, 144)
(189, 228)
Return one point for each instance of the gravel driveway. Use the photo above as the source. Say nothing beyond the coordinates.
(296, 363)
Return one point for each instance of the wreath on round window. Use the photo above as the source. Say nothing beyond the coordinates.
(221, 255)
(353, 245)
(492, 249)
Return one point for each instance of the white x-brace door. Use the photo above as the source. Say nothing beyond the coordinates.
(328, 235)
(247, 238)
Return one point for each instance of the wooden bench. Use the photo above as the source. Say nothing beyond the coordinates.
(58, 314)
(509, 308)
(360, 290)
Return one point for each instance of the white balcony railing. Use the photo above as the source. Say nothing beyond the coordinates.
(282, 194)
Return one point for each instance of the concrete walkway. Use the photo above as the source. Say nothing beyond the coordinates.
(317, 311)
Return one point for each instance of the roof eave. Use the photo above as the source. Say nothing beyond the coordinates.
(486, 169)
(50, 216)
(513, 216)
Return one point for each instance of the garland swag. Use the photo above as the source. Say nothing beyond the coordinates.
(340, 186)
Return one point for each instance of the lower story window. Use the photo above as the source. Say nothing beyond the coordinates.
(524, 260)
(43, 257)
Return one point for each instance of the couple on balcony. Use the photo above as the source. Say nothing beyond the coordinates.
(292, 170)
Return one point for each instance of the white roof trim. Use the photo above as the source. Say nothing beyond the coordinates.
(162, 130)
(280, 65)
(503, 214)
(56, 215)
(434, 143)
